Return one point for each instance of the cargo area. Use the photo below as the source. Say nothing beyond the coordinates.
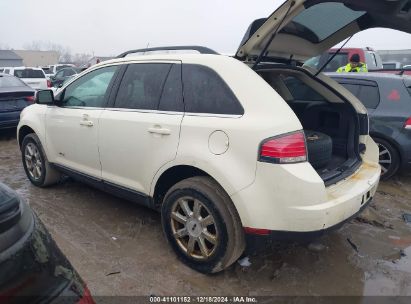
(330, 123)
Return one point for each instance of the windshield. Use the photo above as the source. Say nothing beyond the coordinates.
(28, 73)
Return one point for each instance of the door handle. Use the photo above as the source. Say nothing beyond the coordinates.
(87, 123)
(159, 130)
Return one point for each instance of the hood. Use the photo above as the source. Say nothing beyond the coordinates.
(307, 28)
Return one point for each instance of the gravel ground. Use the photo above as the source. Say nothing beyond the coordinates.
(119, 249)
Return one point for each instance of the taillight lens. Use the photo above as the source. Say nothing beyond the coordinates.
(284, 149)
(29, 99)
(48, 83)
(407, 124)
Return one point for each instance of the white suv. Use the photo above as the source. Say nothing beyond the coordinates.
(230, 155)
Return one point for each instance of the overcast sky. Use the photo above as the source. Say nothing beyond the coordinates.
(109, 27)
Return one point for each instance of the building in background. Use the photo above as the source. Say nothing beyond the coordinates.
(10, 59)
(403, 57)
(38, 58)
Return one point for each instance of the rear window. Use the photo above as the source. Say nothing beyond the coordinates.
(320, 21)
(28, 73)
(9, 81)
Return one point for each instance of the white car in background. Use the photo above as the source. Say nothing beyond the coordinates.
(33, 77)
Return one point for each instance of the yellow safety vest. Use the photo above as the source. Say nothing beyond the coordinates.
(348, 68)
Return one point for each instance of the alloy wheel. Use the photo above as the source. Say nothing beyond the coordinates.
(33, 161)
(194, 228)
(385, 158)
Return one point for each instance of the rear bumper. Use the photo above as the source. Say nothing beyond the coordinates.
(293, 198)
(9, 119)
(257, 243)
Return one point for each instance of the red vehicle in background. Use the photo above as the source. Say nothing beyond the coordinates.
(367, 55)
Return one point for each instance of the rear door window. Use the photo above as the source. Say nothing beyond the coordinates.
(142, 85)
(206, 92)
(368, 93)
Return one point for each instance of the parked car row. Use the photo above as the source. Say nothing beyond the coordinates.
(34, 77)
(15, 95)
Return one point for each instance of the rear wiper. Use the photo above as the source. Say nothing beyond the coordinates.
(260, 57)
(333, 56)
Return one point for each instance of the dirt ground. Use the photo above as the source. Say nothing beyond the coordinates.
(119, 249)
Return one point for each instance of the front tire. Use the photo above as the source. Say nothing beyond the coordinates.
(202, 225)
(37, 168)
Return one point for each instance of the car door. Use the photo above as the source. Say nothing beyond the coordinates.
(72, 127)
(140, 132)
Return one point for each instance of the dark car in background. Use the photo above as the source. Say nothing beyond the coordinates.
(32, 268)
(387, 98)
(63, 75)
(15, 95)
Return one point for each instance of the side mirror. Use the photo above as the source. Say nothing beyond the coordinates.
(45, 97)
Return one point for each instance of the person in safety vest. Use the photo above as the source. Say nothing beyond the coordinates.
(355, 65)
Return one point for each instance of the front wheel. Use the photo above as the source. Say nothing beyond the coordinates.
(35, 163)
(202, 225)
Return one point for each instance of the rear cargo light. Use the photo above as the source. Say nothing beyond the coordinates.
(285, 149)
(29, 99)
(407, 124)
(256, 231)
(48, 83)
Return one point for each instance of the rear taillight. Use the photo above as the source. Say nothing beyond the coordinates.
(284, 149)
(29, 99)
(48, 83)
(407, 124)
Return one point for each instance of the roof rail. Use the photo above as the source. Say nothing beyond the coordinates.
(200, 49)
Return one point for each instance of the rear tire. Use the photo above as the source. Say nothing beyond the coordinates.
(389, 158)
(35, 163)
(202, 225)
